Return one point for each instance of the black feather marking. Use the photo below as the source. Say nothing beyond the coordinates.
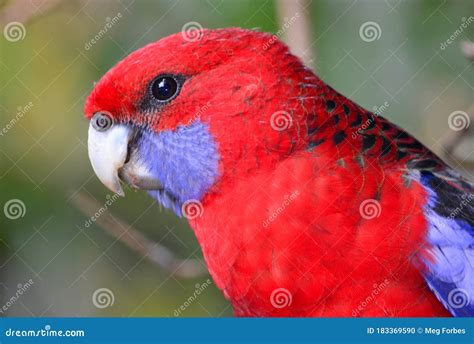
(386, 146)
(312, 130)
(358, 121)
(425, 164)
(401, 155)
(330, 105)
(370, 123)
(347, 111)
(368, 142)
(313, 144)
(414, 145)
(402, 135)
(386, 126)
(449, 199)
(338, 137)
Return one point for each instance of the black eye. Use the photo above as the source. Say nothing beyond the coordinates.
(101, 121)
(164, 88)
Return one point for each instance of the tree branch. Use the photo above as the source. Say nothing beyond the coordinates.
(130, 237)
(295, 24)
(456, 137)
(24, 11)
(468, 50)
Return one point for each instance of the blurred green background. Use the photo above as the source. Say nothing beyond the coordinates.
(44, 161)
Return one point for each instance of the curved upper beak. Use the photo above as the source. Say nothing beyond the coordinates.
(113, 158)
(108, 152)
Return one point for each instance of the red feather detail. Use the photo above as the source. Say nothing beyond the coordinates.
(332, 261)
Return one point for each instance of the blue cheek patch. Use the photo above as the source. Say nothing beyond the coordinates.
(185, 160)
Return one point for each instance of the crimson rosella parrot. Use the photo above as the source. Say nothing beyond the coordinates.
(303, 202)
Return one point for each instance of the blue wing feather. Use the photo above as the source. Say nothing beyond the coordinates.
(450, 214)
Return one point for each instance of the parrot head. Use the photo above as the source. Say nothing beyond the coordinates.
(184, 117)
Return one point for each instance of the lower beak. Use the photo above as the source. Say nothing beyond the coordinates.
(114, 155)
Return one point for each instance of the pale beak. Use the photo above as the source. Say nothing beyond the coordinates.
(108, 152)
(114, 156)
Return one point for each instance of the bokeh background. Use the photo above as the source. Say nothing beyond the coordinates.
(62, 259)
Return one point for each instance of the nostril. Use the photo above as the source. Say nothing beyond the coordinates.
(102, 121)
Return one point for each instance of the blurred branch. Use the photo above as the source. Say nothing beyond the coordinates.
(455, 138)
(129, 236)
(24, 11)
(468, 50)
(297, 32)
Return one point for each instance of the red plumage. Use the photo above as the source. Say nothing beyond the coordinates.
(318, 252)
(319, 248)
